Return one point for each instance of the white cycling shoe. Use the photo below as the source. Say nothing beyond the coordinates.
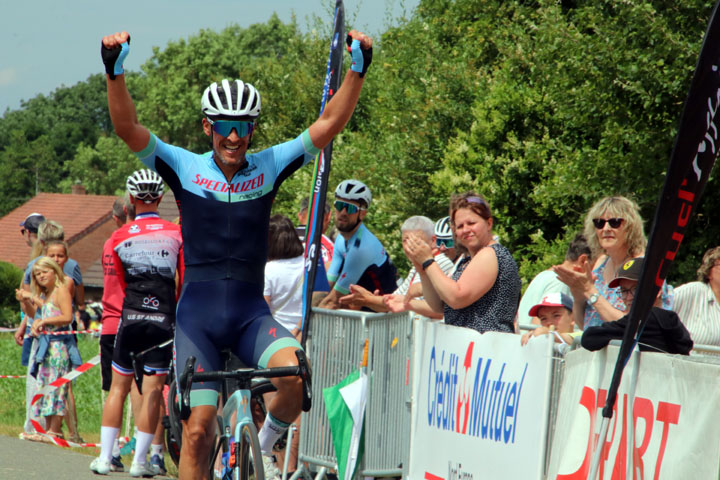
(271, 471)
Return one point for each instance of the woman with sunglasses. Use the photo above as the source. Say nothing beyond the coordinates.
(614, 231)
(484, 291)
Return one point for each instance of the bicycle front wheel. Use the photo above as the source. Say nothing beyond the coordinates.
(247, 452)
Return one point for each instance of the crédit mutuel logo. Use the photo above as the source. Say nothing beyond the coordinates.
(474, 398)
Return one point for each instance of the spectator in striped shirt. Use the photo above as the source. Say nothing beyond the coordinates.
(696, 303)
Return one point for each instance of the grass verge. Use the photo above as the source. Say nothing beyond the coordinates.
(87, 388)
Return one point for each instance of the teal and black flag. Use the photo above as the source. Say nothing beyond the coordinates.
(321, 174)
(696, 148)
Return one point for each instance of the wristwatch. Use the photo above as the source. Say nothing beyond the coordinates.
(427, 263)
(593, 298)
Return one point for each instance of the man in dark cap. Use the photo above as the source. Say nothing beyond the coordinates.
(29, 227)
(662, 331)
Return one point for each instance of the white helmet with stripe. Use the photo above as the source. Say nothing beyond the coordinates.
(231, 99)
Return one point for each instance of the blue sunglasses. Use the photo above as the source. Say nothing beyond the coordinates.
(349, 206)
(225, 127)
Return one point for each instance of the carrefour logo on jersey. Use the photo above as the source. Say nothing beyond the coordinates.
(478, 397)
(222, 187)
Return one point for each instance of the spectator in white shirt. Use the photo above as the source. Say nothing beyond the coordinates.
(284, 274)
(696, 303)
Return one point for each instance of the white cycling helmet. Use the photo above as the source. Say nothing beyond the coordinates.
(354, 190)
(443, 229)
(145, 185)
(244, 100)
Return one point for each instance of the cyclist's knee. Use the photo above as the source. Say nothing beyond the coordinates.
(199, 430)
(120, 385)
(290, 387)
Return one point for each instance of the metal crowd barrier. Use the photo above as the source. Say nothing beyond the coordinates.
(707, 350)
(336, 340)
(335, 347)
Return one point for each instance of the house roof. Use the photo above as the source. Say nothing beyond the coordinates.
(87, 221)
(78, 214)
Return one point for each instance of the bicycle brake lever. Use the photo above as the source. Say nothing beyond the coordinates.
(185, 386)
(306, 376)
(138, 364)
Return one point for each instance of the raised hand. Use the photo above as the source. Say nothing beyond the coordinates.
(360, 48)
(113, 50)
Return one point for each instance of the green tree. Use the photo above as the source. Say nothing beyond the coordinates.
(541, 106)
(27, 168)
(10, 278)
(102, 168)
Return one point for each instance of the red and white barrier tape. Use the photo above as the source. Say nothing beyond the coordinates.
(62, 332)
(70, 332)
(12, 376)
(67, 378)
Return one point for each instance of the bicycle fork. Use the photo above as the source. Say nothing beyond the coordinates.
(236, 412)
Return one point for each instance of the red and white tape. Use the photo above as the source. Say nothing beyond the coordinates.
(12, 376)
(67, 378)
(70, 332)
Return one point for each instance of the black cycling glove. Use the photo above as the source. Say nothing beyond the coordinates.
(361, 57)
(113, 58)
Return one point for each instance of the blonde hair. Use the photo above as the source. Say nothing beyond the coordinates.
(617, 207)
(708, 261)
(47, 231)
(46, 263)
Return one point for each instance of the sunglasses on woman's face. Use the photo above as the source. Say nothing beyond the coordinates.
(444, 242)
(614, 222)
(351, 209)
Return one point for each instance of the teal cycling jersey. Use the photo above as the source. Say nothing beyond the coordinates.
(362, 260)
(225, 224)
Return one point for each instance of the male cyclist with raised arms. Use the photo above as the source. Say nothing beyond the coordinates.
(225, 198)
(358, 256)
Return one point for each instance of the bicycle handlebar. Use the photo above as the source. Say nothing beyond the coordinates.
(189, 375)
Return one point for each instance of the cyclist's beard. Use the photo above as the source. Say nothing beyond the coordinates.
(349, 228)
(219, 158)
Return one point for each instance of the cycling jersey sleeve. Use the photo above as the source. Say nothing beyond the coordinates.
(285, 153)
(337, 260)
(157, 149)
(356, 262)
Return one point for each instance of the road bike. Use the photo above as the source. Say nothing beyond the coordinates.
(237, 440)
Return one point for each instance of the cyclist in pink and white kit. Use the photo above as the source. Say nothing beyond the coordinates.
(146, 253)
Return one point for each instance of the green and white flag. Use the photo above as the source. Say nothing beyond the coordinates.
(345, 405)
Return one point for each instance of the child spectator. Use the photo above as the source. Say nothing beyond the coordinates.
(50, 293)
(555, 314)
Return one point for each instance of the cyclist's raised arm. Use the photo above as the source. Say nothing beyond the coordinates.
(340, 108)
(114, 49)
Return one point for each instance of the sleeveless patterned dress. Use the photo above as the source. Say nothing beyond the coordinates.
(494, 311)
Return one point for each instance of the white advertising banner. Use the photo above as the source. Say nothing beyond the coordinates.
(480, 404)
(664, 428)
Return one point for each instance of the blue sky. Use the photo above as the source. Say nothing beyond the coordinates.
(45, 44)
